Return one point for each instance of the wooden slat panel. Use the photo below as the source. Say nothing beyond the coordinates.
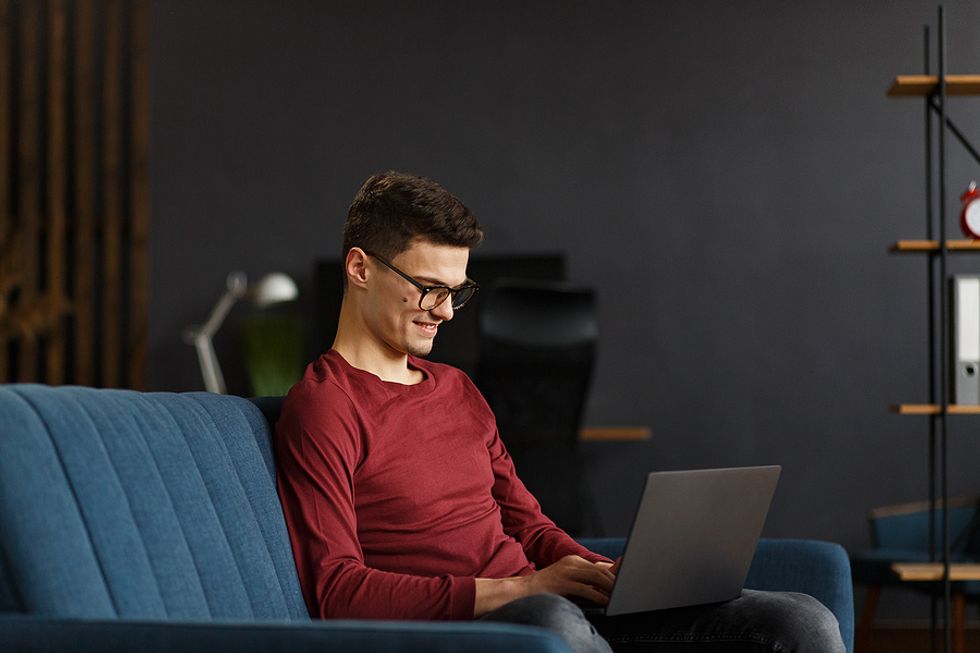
(83, 118)
(140, 194)
(107, 239)
(6, 220)
(27, 168)
(57, 153)
(112, 192)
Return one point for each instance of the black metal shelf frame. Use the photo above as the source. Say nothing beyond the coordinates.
(939, 361)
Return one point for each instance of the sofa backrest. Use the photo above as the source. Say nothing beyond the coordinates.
(116, 503)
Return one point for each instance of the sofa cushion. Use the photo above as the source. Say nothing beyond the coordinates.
(115, 503)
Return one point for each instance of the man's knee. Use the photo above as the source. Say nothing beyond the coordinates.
(801, 623)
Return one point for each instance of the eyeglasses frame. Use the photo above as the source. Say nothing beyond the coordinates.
(425, 290)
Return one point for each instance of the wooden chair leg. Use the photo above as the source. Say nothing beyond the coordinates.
(959, 623)
(866, 625)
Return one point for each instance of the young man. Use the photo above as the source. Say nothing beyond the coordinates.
(400, 498)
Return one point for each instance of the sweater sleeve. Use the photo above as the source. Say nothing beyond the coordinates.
(319, 442)
(544, 543)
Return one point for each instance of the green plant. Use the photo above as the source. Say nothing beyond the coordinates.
(272, 346)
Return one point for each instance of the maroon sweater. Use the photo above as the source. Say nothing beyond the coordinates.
(397, 497)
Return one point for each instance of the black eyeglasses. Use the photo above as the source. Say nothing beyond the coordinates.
(433, 296)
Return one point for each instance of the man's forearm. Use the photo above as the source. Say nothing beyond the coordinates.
(491, 593)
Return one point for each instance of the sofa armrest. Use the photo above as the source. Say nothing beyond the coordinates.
(820, 569)
(33, 634)
(611, 547)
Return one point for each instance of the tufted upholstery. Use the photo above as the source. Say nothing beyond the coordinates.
(118, 504)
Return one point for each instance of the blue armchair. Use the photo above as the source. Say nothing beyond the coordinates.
(900, 533)
(150, 522)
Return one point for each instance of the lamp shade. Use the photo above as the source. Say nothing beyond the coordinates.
(273, 288)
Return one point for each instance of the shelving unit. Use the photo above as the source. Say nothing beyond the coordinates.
(936, 247)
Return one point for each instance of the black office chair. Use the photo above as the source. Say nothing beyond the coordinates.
(537, 347)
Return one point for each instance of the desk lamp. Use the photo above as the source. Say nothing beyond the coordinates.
(273, 288)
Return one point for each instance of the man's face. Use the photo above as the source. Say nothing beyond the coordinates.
(394, 315)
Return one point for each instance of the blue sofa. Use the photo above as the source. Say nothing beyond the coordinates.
(150, 522)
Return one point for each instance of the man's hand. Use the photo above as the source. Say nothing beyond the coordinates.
(572, 576)
(614, 567)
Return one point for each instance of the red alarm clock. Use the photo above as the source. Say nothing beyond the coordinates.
(970, 217)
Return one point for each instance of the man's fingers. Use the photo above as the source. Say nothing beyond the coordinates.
(593, 575)
(605, 580)
(590, 593)
(576, 576)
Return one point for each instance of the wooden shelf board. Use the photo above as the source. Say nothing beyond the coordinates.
(933, 571)
(923, 85)
(614, 433)
(935, 409)
(911, 246)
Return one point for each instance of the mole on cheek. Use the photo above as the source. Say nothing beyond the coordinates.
(404, 300)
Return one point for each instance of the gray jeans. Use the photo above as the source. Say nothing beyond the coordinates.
(776, 622)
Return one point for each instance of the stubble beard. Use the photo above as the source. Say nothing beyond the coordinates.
(420, 351)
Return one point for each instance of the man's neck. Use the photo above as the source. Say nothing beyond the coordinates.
(364, 352)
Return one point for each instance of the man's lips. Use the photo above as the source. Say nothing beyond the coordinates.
(427, 328)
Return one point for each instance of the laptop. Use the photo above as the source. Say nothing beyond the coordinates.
(692, 539)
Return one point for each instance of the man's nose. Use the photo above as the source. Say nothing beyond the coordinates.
(444, 311)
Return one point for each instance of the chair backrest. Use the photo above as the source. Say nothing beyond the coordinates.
(116, 503)
(906, 526)
(537, 349)
(537, 346)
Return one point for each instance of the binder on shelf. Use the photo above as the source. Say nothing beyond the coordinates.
(965, 368)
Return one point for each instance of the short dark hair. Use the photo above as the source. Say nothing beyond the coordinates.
(393, 208)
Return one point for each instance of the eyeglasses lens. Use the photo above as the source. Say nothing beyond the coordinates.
(462, 297)
(437, 296)
(433, 298)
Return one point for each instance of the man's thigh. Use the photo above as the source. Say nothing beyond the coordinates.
(554, 613)
(754, 622)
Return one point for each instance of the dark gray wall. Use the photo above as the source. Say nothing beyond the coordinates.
(728, 175)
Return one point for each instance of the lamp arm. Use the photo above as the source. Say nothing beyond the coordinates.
(201, 336)
(214, 380)
(218, 314)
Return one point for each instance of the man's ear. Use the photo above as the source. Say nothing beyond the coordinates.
(355, 266)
